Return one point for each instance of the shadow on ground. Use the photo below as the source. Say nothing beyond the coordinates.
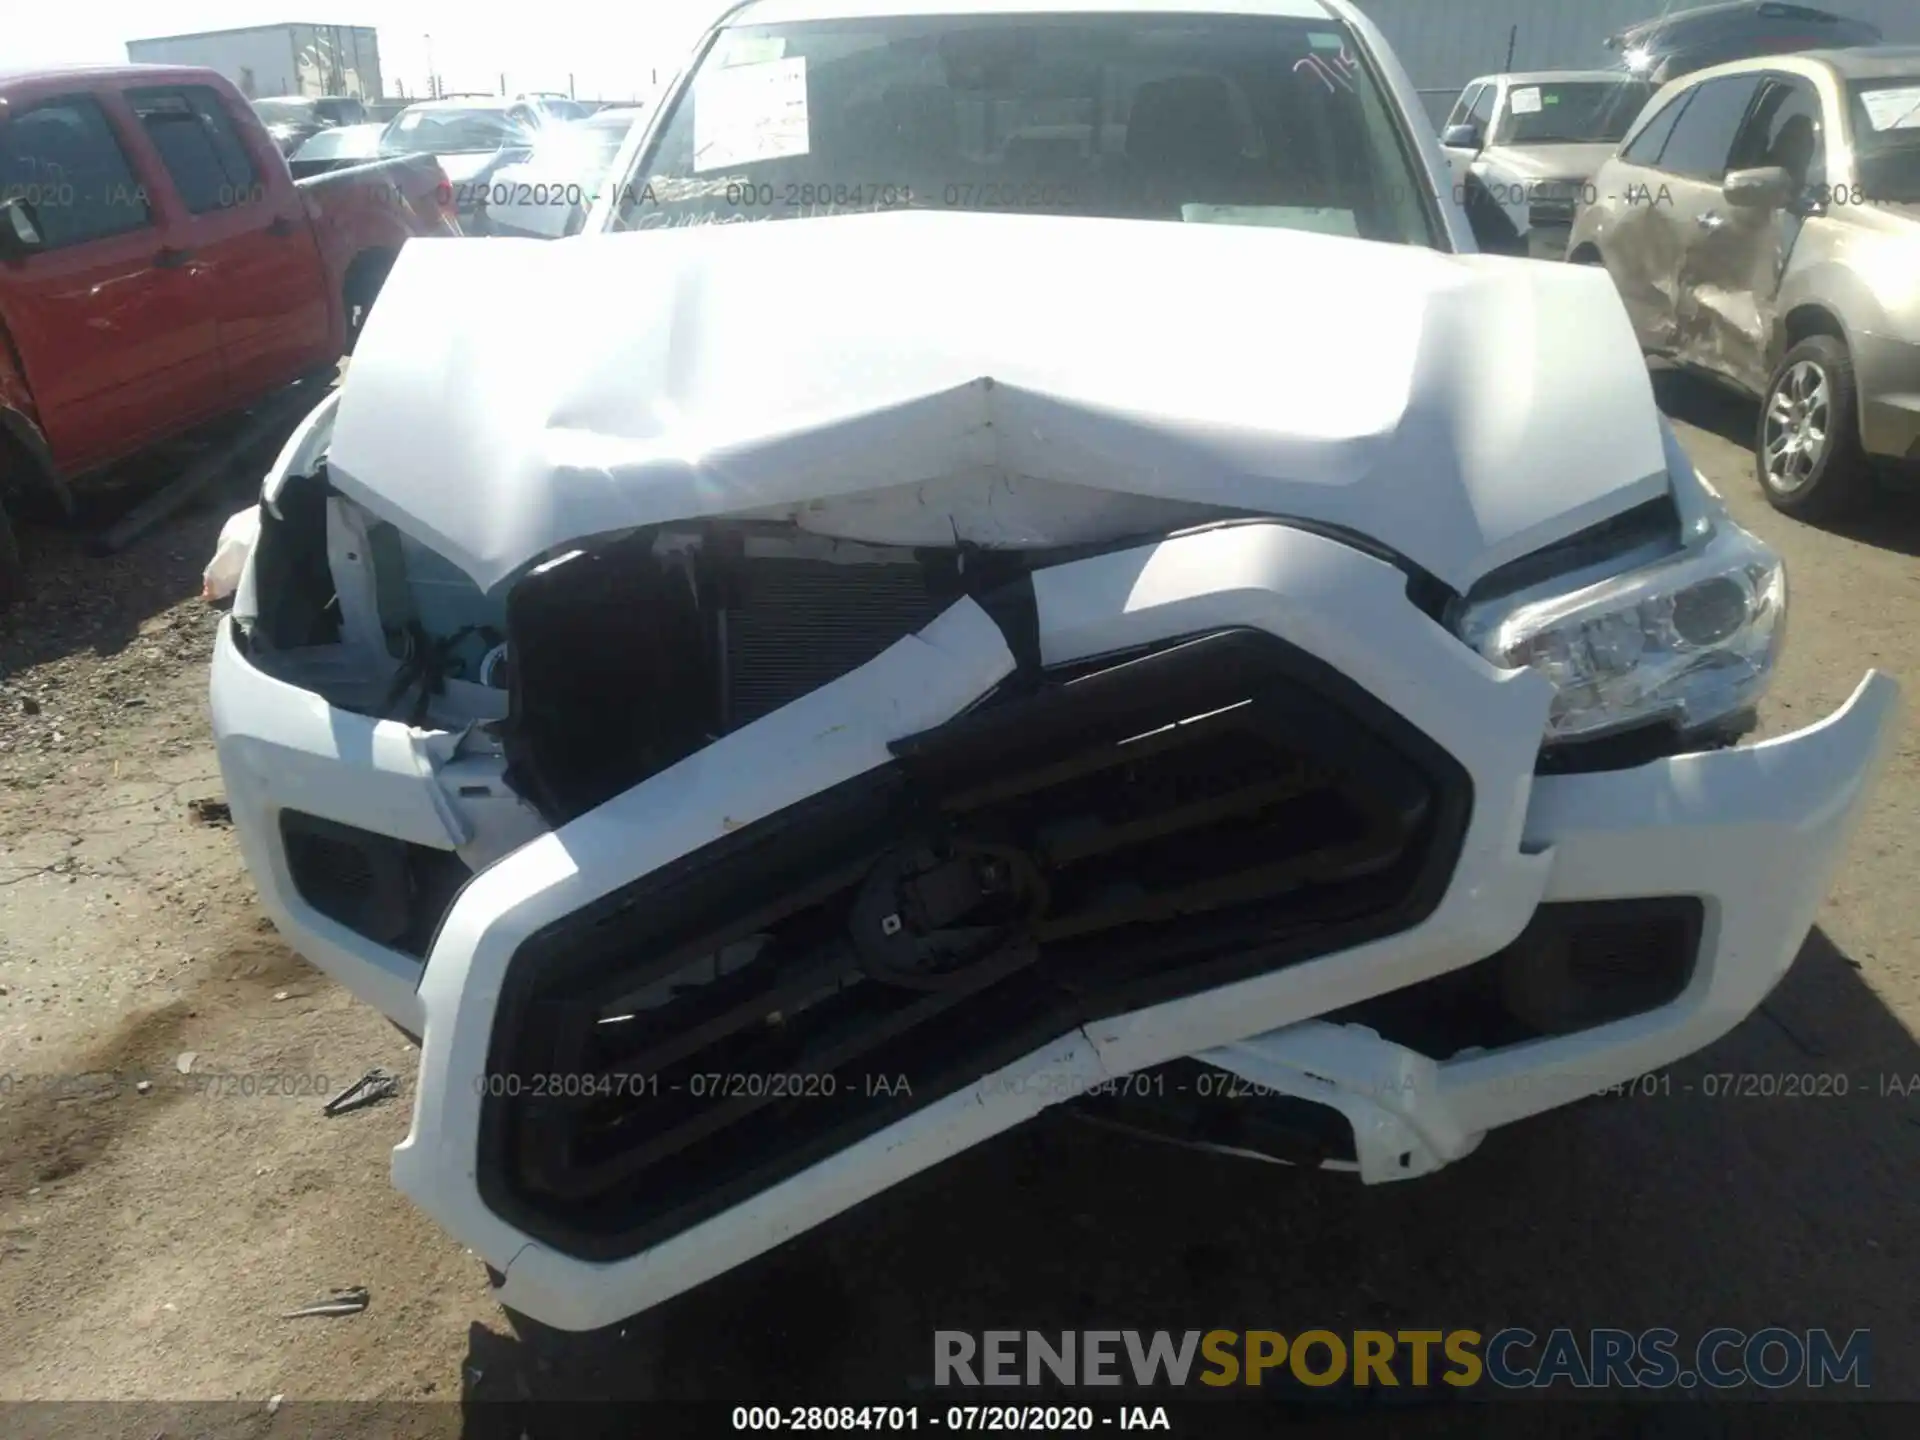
(1712, 1199)
(82, 602)
(1891, 523)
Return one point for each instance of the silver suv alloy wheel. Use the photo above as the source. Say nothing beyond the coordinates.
(1798, 421)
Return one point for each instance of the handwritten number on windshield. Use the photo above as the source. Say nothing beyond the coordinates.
(1336, 73)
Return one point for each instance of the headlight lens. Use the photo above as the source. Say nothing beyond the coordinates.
(1691, 639)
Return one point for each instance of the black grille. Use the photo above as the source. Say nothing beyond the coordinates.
(1188, 818)
(794, 625)
(392, 892)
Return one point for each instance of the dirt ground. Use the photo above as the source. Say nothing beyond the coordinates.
(155, 1220)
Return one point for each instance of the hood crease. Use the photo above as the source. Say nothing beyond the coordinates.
(1002, 379)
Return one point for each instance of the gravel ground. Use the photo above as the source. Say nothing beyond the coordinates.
(150, 1238)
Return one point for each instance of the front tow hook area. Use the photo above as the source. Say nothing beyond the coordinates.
(1189, 1102)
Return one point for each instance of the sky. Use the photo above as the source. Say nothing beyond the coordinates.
(610, 50)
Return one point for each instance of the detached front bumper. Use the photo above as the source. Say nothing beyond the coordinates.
(1753, 832)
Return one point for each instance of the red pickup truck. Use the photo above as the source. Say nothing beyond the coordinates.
(160, 267)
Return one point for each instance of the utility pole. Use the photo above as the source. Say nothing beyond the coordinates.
(433, 81)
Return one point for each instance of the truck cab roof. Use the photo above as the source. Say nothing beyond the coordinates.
(42, 77)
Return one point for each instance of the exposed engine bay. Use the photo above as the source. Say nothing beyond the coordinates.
(597, 668)
(606, 663)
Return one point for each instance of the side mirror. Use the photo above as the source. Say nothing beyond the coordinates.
(1465, 136)
(1769, 187)
(19, 228)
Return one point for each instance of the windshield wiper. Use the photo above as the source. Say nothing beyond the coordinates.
(623, 218)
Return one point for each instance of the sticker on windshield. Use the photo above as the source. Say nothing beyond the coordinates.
(1897, 107)
(1320, 220)
(1525, 100)
(750, 49)
(746, 113)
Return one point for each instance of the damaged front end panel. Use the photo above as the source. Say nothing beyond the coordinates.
(732, 871)
(751, 805)
(521, 708)
(408, 658)
(1117, 802)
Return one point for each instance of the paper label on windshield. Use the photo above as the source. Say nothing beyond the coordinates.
(1895, 108)
(1525, 100)
(738, 49)
(746, 113)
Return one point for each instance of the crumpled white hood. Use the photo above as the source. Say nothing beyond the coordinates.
(509, 397)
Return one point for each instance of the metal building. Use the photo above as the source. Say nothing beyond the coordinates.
(289, 59)
(1445, 43)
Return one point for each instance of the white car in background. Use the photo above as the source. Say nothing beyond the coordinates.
(464, 135)
(552, 106)
(473, 138)
(1522, 150)
(1007, 567)
(547, 194)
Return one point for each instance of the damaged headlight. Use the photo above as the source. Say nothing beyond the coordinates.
(1691, 639)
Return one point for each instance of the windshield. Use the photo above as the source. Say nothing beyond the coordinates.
(339, 110)
(561, 109)
(449, 132)
(1223, 119)
(1886, 137)
(1579, 112)
(290, 112)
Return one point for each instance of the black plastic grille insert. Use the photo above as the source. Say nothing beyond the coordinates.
(1193, 816)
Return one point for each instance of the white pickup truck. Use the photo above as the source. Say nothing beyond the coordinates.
(1009, 567)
